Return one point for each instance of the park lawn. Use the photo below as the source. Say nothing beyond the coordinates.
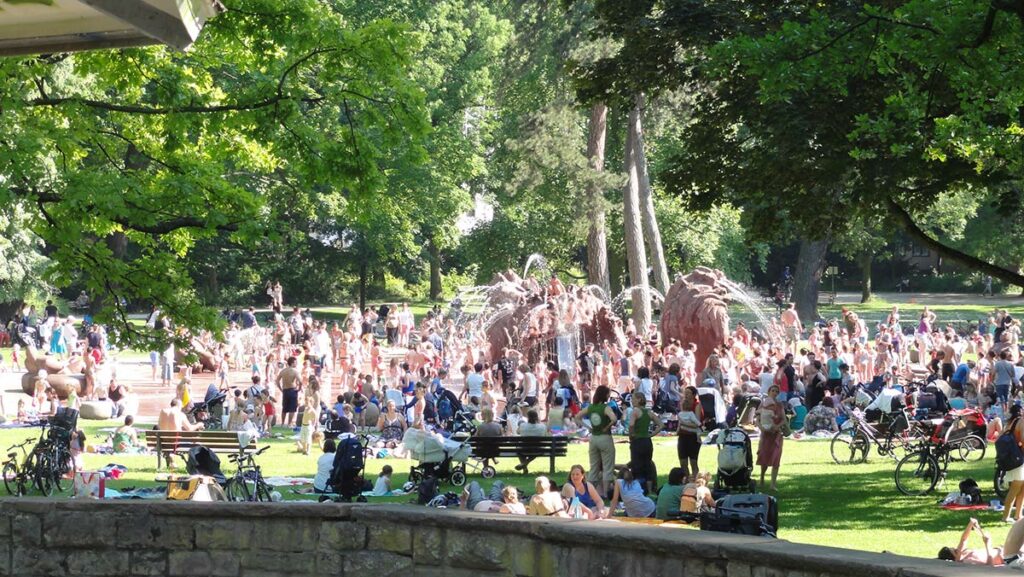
(821, 503)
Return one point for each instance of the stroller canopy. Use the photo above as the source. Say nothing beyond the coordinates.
(203, 461)
(721, 411)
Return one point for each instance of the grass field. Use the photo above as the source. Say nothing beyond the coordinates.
(822, 503)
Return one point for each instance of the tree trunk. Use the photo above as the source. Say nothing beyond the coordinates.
(435, 270)
(807, 278)
(9, 308)
(363, 274)
(636, 257)
(865, 277)
(652, 234)
(597, 245)
(117, 242)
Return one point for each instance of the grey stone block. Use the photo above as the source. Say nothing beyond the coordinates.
(285, 534)
(174, 533)
(390, 537)
(342, 536)
(427, 545)
(74, 529)
(232, 535)
(97, 563)
(27, 530)
(148, 563)
(476, 550)
(376, 564)
(211, 563)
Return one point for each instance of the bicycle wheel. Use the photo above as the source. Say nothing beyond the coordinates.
(971, 449)
(262, 491)
(43, 475)
(916, 474)
(1002, 486)
(237, 490)
(10, 472)
(850, 447)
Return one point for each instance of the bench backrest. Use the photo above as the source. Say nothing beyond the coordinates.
(525, 446)
(179, 441)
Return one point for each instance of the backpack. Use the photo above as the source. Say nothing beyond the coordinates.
(969, 487)
(1009, 455)
(427, 490)
(444, 409)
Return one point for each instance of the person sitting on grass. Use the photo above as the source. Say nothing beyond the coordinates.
(382, 487)
(696, 497)
(546, 502)
(631, 493)
(579, 488)
(324, 466)
(511, 505)
(125, 439)
(1008, 554)
(670, 495)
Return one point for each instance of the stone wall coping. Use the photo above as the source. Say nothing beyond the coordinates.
(777, 554)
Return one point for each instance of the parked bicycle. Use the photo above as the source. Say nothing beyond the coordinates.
(247, 484)
(52, 459)
(894, 437)
(18, 478)
(919, 472)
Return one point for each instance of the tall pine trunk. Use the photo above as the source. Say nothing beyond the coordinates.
(435, 269)
(636, 257)
(597, 244)
(865, 276)
(810, 265)
(652, 234)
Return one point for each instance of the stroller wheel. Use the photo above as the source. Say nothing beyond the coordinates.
(323, 499)
(458, 478)
(488, 472)
(753, 486)
(360, 499)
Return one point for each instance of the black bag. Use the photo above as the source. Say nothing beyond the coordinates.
(427, 490)
(1009, 455)
(970, 488)
(927, 401)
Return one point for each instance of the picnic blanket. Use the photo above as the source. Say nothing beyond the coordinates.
(287, 481)
(955, 507)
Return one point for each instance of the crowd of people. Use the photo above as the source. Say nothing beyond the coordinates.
(377, 368)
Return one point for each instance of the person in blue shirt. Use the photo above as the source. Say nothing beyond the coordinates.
(960, 376)
(835, 373)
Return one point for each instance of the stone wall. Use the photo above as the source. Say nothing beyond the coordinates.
(175, 539)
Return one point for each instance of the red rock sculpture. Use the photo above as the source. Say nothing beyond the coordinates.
(523, 317)
(696, 310)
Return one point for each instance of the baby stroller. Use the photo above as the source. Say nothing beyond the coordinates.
(346, 478)
(964, 430)
(209, 413)
(442, 459)
(203, 461)
(713, 406)
(735, 462)
(464, 421)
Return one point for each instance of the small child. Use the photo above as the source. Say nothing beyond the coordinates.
(269, 412)
(22, 416)
(382, 488)
(15, 354)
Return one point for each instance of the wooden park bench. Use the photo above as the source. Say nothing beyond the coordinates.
(529, 448)
(179, 442)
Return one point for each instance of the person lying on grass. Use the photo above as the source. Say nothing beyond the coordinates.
(1008, 554)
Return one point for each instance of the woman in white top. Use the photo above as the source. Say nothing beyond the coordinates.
(324, 466)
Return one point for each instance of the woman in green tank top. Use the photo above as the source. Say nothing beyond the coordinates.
(641, 448)
(602, 449)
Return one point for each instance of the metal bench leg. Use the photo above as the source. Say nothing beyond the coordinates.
(552, 465)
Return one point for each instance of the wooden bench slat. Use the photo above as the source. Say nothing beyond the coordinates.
(530, 448)
(177, 442)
